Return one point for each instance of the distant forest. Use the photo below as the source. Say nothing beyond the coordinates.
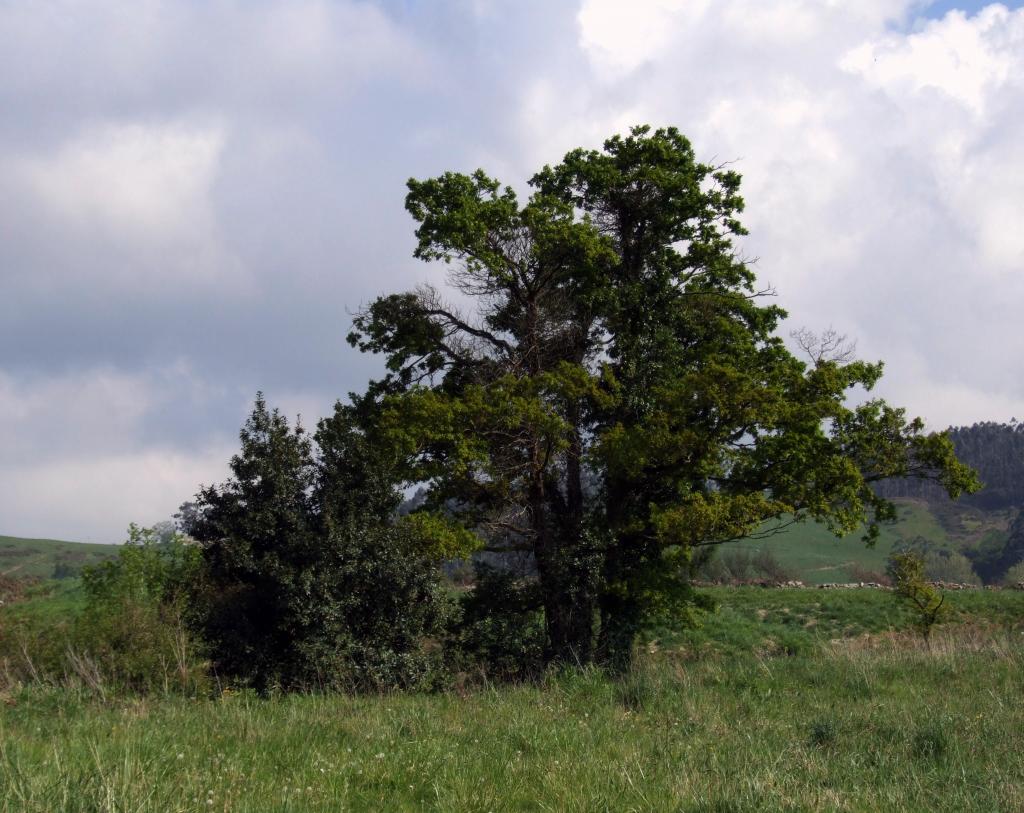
(995, 450)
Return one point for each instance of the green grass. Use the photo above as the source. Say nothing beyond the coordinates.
(786, 621)
(37, 558)
(838, 731)
(857, 716)
(46, 605)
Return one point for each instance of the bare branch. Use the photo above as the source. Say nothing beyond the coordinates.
(829, 346)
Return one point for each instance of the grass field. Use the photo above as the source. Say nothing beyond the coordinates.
(781, 700)
(38, 558)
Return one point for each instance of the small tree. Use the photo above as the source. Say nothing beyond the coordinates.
(308, 584)
(910, 584)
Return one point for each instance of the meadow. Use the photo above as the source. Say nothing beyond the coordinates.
(782, 699)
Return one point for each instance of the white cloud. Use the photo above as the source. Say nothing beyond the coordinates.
(196, 193)
(623, 36)
(881, 166)
(94, 500)
(964, 58)
(131, 178)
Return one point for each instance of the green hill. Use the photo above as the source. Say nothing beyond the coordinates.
(48, 558)
(809, 552)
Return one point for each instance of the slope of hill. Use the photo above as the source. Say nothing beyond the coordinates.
(809, 552)
(48, 558)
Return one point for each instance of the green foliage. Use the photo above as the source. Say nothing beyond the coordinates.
(307, 583)
(619, 398)
(931, 742)
(441, 537)
(996, 555)
(823, 733)
(146, 571)
(133, 633)
(500, 632)
(910, 583)
(1015, 575)
(123, 629)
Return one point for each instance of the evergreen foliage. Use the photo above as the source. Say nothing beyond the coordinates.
(308, 585)
(995, 450)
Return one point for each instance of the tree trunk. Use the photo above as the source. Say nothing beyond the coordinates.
(566, 577)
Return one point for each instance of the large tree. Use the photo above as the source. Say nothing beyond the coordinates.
(607, 333)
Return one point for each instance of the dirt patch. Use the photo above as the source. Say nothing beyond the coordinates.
(12, 589)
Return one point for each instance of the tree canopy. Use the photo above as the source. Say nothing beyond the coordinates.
(602, 385)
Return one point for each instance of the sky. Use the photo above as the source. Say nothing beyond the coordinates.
(195, 195)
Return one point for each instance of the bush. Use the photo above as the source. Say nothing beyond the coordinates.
(770, 568)
(950, 566)
(500, 634)
(1014, 576)
(930, 742)
(736, 565)
(823, 734)
(125, 629)
(134, 632)
(909, 583)
(360, 621)
(865, 575)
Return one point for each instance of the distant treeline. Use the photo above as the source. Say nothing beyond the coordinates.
(995, 450)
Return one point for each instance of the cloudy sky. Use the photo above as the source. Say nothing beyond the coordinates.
(195, 195)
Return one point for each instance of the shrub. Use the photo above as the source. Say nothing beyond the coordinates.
(1014, 576)
(133, 633)
(765, 563)
(907, 573)
(865, 575)
(737, 564)
(930, 742)
(358, 622)
(124, 629)
(823, 734)
(500, 633)
(950, 566)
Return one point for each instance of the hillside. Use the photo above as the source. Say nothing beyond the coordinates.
(48, 558)
(809, 552)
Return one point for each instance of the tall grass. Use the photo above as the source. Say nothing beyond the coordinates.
(846, 727)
